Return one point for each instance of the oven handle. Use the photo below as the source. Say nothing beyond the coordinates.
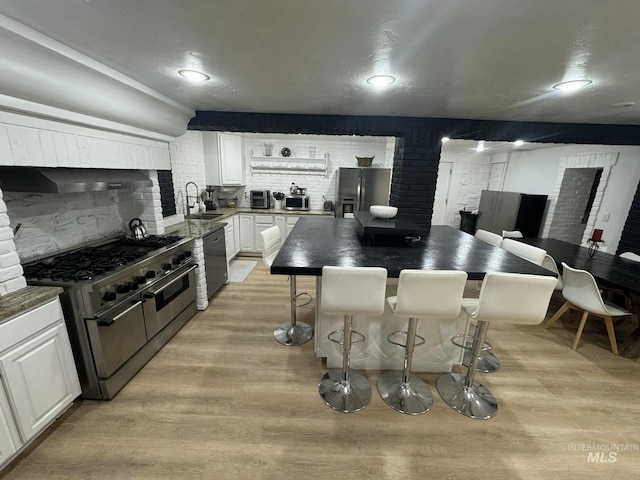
(153, 293)
(107, 321)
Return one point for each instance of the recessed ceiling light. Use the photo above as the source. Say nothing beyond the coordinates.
(572, 85)
(445, 139)
(381, 80)
(194, 76)
(518, 143)
(480, 147)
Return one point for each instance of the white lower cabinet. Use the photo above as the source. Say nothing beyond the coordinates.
(9, 441)
(251, 225)
(39, 378)
(236, 235)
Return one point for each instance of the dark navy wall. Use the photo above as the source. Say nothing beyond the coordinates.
(417, 152)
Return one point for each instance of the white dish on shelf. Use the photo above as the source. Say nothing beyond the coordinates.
(383, 211)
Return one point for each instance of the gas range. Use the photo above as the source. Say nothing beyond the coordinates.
(123, 299)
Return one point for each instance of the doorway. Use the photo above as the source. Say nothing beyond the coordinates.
(574, 203)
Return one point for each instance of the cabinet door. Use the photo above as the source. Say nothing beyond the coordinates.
(41, 378)
(261, 223)
(231, 161)
(7, 444)
(281, 222)
(236, 234)
(246, 233)
(228, 241)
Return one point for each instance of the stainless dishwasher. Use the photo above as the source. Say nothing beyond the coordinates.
(215, 260)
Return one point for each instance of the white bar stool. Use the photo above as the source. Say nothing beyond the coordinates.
(421, 293)
(349, 291)
(290, 333)
(504, 298)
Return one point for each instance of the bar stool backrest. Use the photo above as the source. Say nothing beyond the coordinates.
(489, 237)
(512, 234)
(514, 298)
(353, 290)
(433, 293)
(271, 243)
(581, 289)
(526, 251)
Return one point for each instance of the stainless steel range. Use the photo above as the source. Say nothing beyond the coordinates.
(123, 300)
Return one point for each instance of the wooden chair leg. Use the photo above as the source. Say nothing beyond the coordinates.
(580, 328)
(608, 321)
(566, 306)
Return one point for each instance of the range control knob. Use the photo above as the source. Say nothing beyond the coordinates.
(166, 266)
(187, 254)
(123, 288)
(132, 285)
(139, 280)
(176, 260)
(109, 296)
(150, 274)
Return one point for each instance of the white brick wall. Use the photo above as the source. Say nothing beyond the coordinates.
(201, 280)
(11, 278)
(187, 165)
(594, 160)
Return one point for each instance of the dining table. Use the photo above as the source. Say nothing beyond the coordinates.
(609, 271)
(315, 242)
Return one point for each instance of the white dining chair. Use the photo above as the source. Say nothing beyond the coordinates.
(529, 252)
(489, 237)
(630, 256)
(504, 298)
(289, 333)
(581, 293)
(550, 264)
(512, 234)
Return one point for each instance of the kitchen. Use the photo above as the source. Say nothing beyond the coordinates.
(143, 135)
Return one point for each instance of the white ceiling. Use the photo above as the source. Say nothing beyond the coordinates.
(480, 59)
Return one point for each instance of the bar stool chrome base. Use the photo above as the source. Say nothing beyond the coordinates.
(487, 363)
(412, 398)
(473, 402)
(345, 396)
(293, 335)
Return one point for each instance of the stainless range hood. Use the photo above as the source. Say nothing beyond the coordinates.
(69, 180)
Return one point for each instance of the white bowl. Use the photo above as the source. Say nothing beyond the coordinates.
(383, 211)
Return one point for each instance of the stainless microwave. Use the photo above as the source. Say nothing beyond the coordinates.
(296, 202)
(260, 198)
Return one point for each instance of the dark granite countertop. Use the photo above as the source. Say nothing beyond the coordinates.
(315, 242)
(612, 269)
(25, 299)
(200, 227)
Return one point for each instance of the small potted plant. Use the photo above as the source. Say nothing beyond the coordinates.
(279, 197)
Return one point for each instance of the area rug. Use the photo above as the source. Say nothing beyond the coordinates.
(239, 270)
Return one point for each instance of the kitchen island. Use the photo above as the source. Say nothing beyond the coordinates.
(316, 242)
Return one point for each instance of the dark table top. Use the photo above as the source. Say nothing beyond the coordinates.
(605, 267)
(319, 241)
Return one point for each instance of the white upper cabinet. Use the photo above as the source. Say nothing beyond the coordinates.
(223, 159)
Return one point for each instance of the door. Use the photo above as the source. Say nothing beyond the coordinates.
(440, 203)
(374, 187)
(42, 379)
(486, 210)
(506, 212)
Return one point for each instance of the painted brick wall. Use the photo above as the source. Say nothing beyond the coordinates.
(11, 278)
(187, 165)
(630, 240)
(567, 218)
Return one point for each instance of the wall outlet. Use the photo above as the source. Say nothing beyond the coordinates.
(605, 217)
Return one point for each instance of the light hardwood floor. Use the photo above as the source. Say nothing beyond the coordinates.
(223, 400)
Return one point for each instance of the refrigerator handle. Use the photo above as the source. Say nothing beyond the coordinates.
(358, 196)
(363, 193)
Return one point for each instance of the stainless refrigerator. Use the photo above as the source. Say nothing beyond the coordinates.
(359, 188)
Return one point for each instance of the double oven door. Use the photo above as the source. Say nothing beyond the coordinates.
(118, 334)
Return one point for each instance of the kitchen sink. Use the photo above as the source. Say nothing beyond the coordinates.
(204, 216)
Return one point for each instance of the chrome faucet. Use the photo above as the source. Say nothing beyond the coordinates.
(186, 194)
